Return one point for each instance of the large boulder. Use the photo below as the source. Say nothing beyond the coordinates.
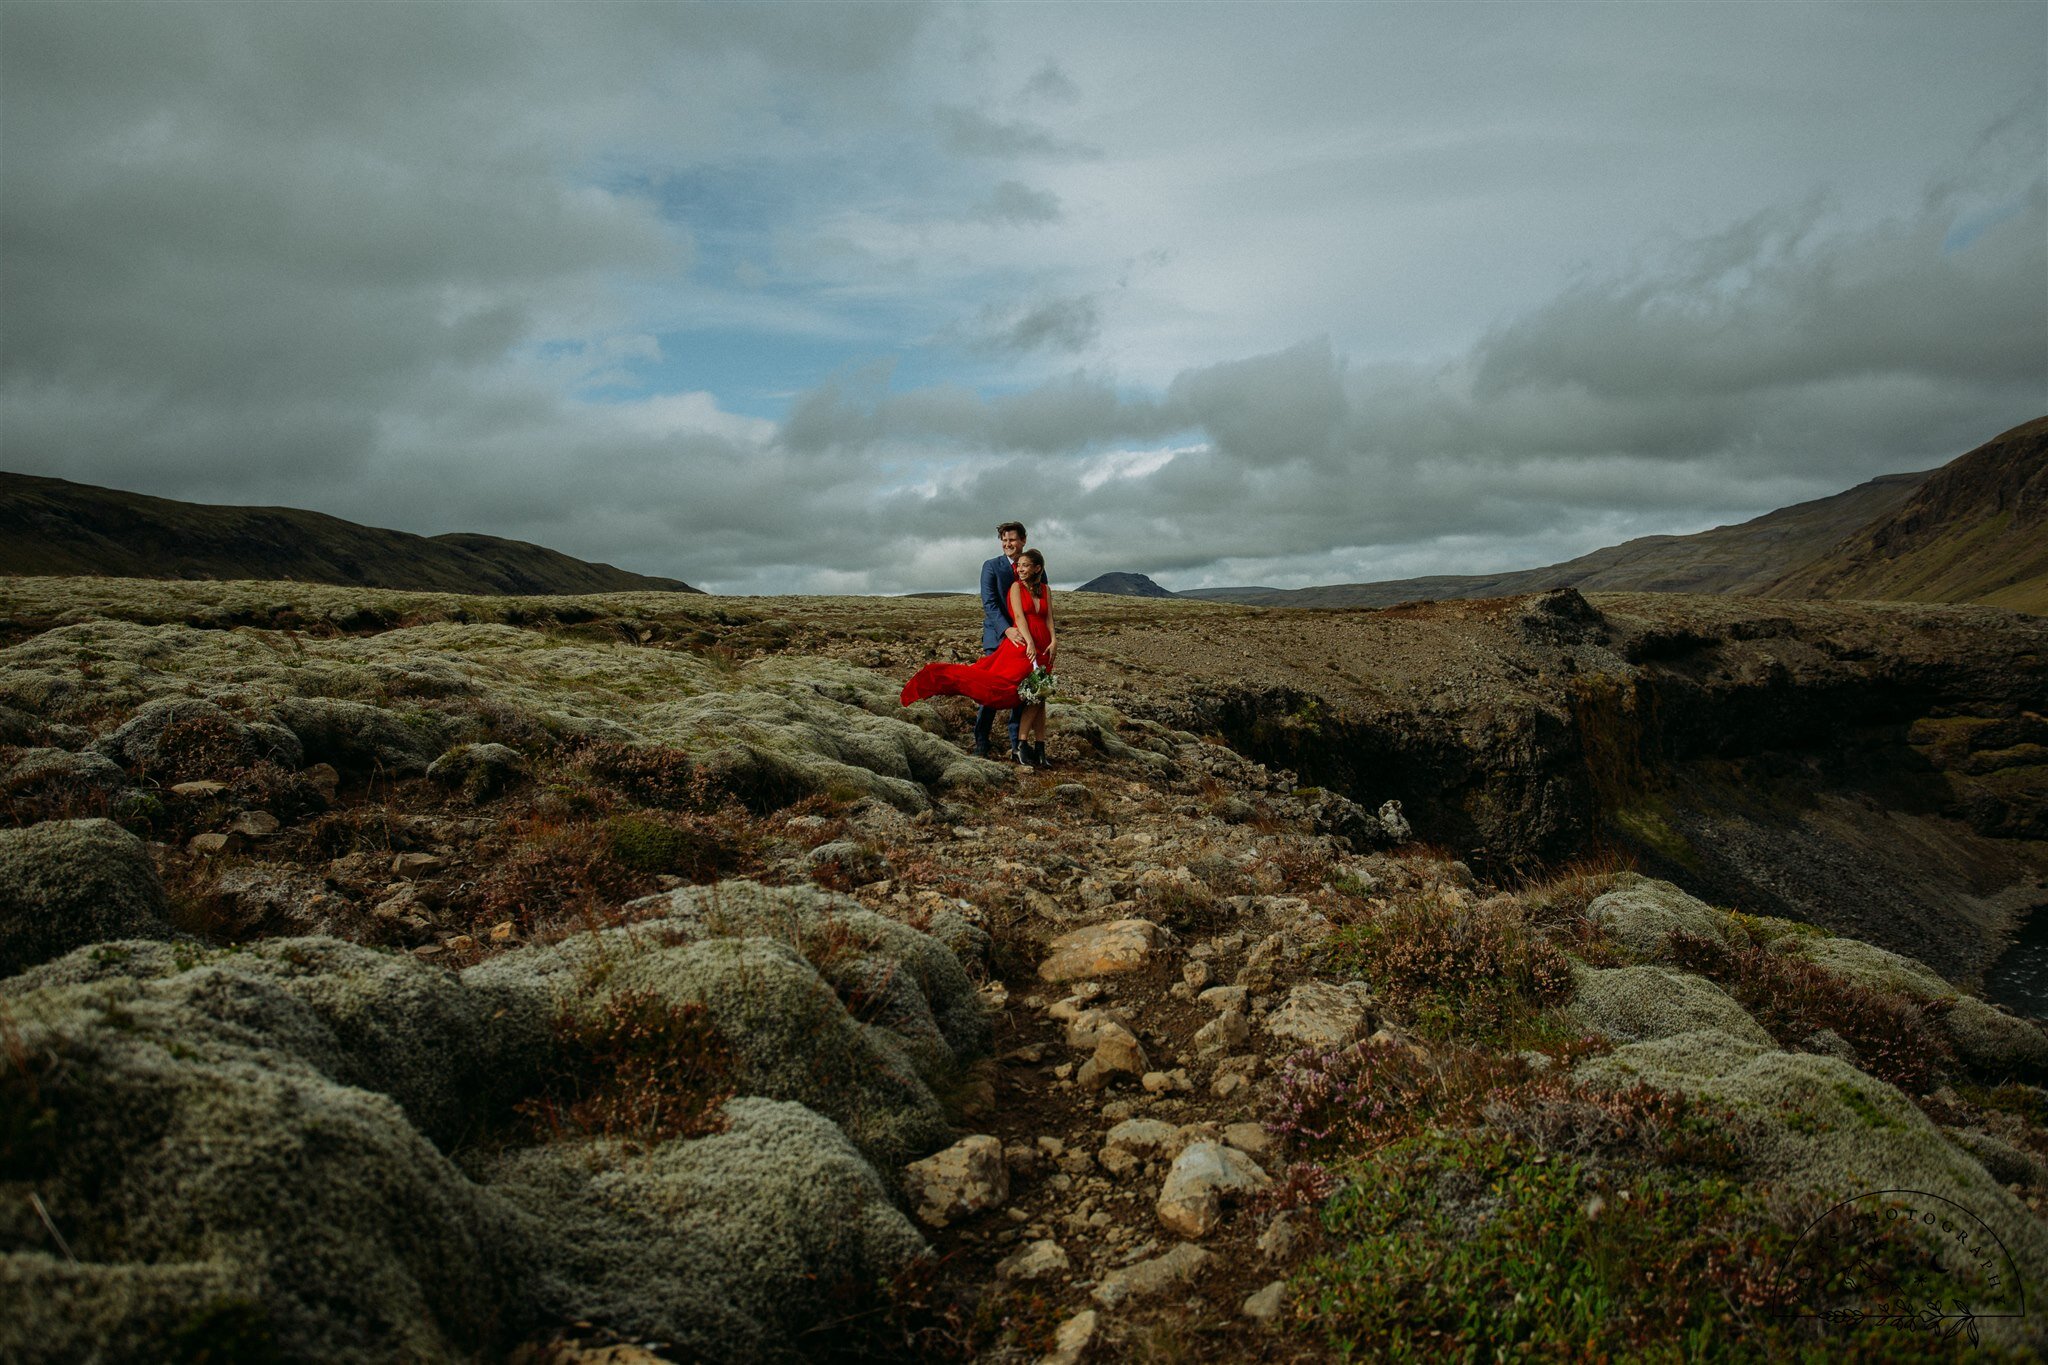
(730, 1246)
(64, 883)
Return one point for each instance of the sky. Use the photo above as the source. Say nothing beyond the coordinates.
(783, 297)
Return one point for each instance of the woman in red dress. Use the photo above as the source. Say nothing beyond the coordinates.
(993, 679)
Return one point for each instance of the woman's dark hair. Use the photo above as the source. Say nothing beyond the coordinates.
(1016, 526)
(1036, 558)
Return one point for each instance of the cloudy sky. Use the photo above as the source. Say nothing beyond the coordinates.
(806, 297)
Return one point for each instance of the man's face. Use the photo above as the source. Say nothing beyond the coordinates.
(1013, 544)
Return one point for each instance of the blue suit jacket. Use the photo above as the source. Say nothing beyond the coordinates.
(996, 577)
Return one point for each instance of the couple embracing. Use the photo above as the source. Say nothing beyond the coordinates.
(1017, 649)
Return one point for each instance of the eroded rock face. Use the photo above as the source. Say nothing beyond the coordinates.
(64, 883)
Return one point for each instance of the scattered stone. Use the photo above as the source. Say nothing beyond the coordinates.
(1040, 1260)
(1191, 1200)
(461, 943)
(965, 1179)
(1322, 1016)
(1395, 823)
(198, 789)
(207, 845)
(1070, 1343)
(1260, 963)
(1101, 950)
(416, 865)
(1223, 998)
(1226, 1031)
(1117, 1053)
(1250, 1138)
(255, 824)
(1277, 1242)
(324, 779)
(1156, 1276)
(1195, 974)
(1164, 1082)
(276, 897)
(1072, 792)
(1265, 1306)
(503, 932)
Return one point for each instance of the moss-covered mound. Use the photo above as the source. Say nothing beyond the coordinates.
(64, 883)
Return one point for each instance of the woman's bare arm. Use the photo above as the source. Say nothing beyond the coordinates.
(1017, 615)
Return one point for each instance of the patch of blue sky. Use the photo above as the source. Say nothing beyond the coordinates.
(1968, 227)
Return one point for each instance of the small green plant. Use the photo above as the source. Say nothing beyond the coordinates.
(671, 845)
(1478, 1246)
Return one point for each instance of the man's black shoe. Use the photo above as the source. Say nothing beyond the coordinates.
(980, 750)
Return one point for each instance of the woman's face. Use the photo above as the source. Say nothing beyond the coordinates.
(1030, 570)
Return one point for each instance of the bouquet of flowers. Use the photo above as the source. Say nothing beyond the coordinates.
(1039, 685)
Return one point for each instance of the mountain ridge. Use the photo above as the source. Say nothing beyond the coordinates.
(51, 526)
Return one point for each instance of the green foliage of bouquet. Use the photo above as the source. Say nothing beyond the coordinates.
(1039, 685)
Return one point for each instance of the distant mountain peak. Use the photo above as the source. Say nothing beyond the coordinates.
(1125, 585)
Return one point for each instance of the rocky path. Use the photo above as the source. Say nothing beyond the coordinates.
(1121, 1195)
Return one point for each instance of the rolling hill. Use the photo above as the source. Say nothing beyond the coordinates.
(54, 526)
(1973, 532)
(1745, 559)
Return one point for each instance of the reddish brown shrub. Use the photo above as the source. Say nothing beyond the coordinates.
(638, 1067)
(1894, 1035)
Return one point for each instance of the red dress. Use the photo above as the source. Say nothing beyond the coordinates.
(992, 680)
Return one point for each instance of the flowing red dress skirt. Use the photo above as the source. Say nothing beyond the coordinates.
(991, 680)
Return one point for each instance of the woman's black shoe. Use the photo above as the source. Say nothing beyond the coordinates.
(1021, 755)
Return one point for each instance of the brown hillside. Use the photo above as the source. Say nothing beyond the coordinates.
(56, 527)
(1745, 559)
(1972, 533)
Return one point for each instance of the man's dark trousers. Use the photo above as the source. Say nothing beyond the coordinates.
(985, 719)
(996, 577)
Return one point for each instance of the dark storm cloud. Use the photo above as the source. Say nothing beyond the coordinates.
(405, 263)
(249, 249)
(1771, 362)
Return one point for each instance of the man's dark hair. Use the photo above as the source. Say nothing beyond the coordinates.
(1016, 526)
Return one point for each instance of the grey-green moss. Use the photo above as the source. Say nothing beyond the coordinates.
(69, 882)
(730, 1246)
(1818, 1124)
(1633, 1004)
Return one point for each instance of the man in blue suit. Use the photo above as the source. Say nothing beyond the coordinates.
(996, 577)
